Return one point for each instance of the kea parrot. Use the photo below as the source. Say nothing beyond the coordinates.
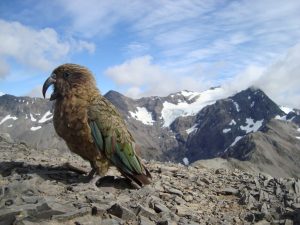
(91, 126)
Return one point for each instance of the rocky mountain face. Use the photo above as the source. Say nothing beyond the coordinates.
(293, 116)
(275, 149)
(37, 187)
(217, 127)
(182, 127)
(29, 120)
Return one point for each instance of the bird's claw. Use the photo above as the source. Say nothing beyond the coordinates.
(90, 177)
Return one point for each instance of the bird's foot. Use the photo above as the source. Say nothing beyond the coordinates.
(90, 177)
(94, 181)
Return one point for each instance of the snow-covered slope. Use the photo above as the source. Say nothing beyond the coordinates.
(143, 115)
(194, 102)
(164, 110)
(286, 109)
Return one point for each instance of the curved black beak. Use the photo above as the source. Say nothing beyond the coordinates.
(51, 80)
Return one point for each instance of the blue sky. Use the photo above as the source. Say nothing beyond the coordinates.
(143, 48)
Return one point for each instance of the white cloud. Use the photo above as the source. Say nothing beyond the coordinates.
(142, 77)
(244, 79)
(137, 71)
(90, 18)
(164, 14)
(282, 80)
(195, 44)
(38, 49)
(4, 68)
(238, 33)
(134, 91)
(37, 92)
(136, 48)
(80, 45)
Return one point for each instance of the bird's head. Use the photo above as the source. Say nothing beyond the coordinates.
(69, 79)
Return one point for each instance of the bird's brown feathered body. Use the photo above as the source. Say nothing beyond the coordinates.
(91, 125)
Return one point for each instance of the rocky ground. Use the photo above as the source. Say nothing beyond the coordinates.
(36, 187)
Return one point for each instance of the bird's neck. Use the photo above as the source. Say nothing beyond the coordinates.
(83, 95)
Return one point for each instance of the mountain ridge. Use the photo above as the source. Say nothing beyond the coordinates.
(183, 125)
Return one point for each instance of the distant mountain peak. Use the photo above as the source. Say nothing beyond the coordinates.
(112, 92)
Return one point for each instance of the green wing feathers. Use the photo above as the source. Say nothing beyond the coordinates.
(114, 140)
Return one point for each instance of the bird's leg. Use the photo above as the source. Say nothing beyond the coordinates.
(91, 174)
(91, 178)
(86, 179)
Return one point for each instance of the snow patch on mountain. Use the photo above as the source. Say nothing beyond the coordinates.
(32, 118)
(143, 115)
(35, 128)
(8, 117)
(10, 125)
(171, 111)
(236, 140)
(251, 126)
(232, 122)
(47, 116)
(192, 129)
(190, 94)
(286, 110)
(237, 107)
(298, 137)
(278, 117)
(226, 130)
(186, 161)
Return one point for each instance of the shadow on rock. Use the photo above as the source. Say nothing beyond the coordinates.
(116, 182)
(60, 174)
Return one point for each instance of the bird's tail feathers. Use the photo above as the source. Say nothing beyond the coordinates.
(140, 179)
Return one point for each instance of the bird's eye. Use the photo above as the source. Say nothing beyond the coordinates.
(66, 75)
